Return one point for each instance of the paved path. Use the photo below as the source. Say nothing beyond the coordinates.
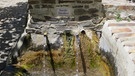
(12, 23)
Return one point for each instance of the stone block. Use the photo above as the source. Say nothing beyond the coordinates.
(93, 10)
(66, 1)
(97, 0)
(77, 6)
(47, 6)
(87, 2)
(86, 6)
(38, 40)
(48, 1)
(81, 18)
(94, 15)
(79, 11)
(33, 2)
(37, 6)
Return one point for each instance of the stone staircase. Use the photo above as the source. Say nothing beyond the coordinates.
(118, 39)
(118, 36)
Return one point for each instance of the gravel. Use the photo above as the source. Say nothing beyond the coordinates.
(12, 23)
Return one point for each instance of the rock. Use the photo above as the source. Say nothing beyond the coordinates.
(7, 42)
(7, 21)
(89, 33)
(11, 44)
(1, 22)
(132, 17)
(123, 15)
(97, 20)
(38, 40)
(13, 29)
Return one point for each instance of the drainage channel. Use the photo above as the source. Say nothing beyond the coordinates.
(79, 52)
(76, 57)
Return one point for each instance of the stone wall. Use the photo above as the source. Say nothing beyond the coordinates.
(80, 9)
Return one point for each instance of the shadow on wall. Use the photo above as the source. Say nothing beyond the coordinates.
(12, 23)
(111, 60)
